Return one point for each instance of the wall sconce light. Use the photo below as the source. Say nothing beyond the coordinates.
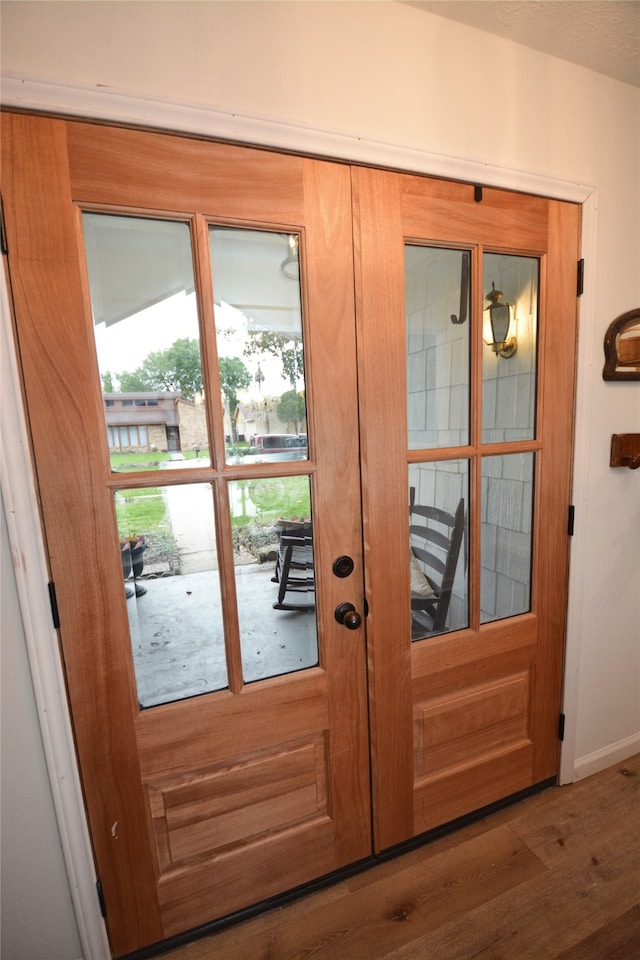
(501, 316)
(290, 266)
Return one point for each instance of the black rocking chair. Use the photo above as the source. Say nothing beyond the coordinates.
(435, 537)
(294, 567)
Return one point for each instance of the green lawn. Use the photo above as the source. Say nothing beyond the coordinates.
(147, 460)
(285, 498)
(257, 506)
(151, 459)
(141, 512)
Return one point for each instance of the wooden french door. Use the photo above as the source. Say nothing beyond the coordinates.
(207, 799)
(248, 785)
(466, 715)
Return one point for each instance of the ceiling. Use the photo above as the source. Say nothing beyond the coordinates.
(603, 35)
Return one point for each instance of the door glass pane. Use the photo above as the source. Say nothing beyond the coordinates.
(438, 525)
(509, 378)
(169, 564)
(258, 316)
(275, 583)
(506, 540)
(437, 318)
(147, 339)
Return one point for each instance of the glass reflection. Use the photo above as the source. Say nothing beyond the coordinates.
(169, 564)
(509, 383)
(437, 312)
(258, 316)
(275, 581)
(506, 539)
(438, 524)
(147, 339)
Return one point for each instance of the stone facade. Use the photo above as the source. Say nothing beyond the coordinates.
(192, 423)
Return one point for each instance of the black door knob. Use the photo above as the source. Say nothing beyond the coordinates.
(348, 616)
(343, 566)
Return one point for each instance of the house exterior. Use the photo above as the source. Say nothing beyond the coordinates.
(166, 421)
(259, 416)
(409, 89)
(154, 421)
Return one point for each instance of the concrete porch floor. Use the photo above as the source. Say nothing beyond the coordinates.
(177, 636)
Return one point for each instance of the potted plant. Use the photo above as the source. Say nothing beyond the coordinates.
(131, 550)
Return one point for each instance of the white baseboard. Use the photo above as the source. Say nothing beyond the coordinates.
(606, 757)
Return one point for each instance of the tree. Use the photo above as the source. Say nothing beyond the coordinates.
(234, 376)
(177, 369)
(107, 382)
(136, 382)
(287, 349)
(292, 408)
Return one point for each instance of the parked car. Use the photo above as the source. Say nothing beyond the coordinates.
(265, 448)
(277, 443)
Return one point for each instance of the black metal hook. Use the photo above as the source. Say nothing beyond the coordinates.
(464, 289)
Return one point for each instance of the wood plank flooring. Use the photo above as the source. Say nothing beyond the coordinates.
(555, 877)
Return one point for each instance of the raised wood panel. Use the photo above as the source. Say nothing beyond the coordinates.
(229, 881)
(130, 167)
(440, 798)
(208, 812)
(466, 726)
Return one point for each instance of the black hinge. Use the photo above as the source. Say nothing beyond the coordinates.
(3, 234)
(580, 277)
(54, 605)
(571, 519)
(561, 727)
(103, 906)
(477, 193)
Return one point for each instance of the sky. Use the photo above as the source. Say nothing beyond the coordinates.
(123, 346)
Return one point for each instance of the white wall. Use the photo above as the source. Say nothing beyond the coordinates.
(37, 914)
(382, 74)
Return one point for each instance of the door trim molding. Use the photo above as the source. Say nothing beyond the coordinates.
(17, 481)
(18, 486)
(34, 95)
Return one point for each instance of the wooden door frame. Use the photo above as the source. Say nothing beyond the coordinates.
(17, 480)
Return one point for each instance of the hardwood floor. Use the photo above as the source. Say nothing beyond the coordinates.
(555, 877)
